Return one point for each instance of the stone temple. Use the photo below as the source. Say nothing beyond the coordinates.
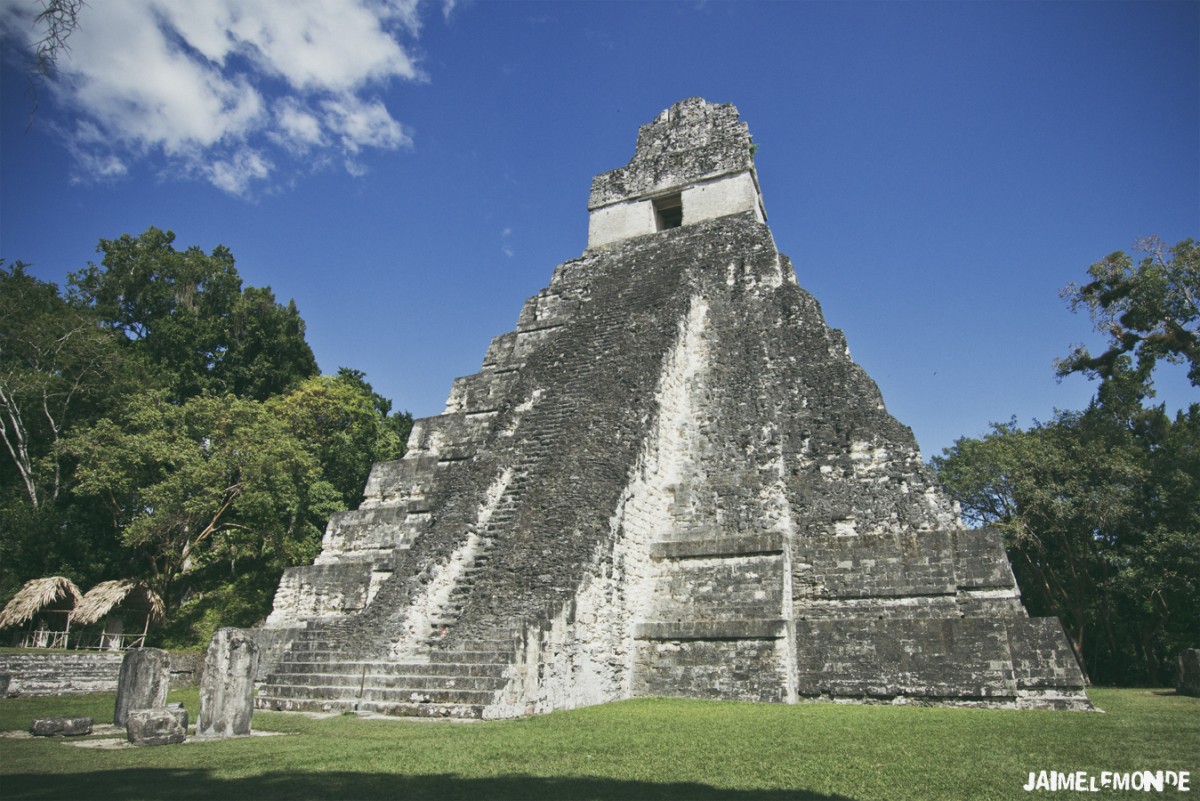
(670, 479)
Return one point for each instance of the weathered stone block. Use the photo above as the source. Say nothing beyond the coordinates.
(180, 714)
(227, 688)
(1189, 672)
(159, 726)
(60, 727)
(143, 683)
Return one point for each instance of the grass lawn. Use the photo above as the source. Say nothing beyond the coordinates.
(640, 749)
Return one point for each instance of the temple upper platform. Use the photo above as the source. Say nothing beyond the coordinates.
(694, 162)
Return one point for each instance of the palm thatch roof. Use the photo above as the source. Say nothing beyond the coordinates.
(106, 596)
(35, 596)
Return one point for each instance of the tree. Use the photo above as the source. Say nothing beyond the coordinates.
(187, 314)
(1149, 313)
(211, 480)
(267, 353)
(1058, 494)
(57, 363)
(1101, 518)
(58, 19)
(400, 424)
(345, 425)
(163, 421)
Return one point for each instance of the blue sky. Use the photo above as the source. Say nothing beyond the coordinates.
(410, 172)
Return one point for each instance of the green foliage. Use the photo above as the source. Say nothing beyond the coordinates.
(1101, 516)
(57, 364)
(639, 749)
(59, 369)
(164, 422)
(344, 425)
(1149, 313)
(187, 315)
(214, 479)
(219, 599)
(1101, 508)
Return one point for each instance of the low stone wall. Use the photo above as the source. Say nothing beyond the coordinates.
(76, 673)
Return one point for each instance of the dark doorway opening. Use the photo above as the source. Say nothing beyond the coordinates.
(668, 212)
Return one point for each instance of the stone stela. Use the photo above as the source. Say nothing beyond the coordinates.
(670, 479)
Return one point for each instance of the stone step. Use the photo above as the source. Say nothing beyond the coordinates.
(77, 670)
(751, 629)
(447, 645)
(715, 546)
(60, 686)
(472, 657)
(425, 710)
(492, 643)
(445, 670)
(375, 681)
(331, 646)
(398, 709)
(396, 695)
(698, 610)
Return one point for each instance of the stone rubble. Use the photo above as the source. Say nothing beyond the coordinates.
(61, 727)
(159, 726)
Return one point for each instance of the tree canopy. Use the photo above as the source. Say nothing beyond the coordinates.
(162, 421)
(187, 314)
(56, 365)
(1149, 312)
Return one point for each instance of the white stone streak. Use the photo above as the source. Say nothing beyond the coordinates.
(432, 602)
(587, 655)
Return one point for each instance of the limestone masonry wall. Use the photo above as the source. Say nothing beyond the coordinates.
(76, 673)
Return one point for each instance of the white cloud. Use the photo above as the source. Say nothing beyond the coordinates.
(296, 127)
(236, 174)
(364, 124)
(217, 84)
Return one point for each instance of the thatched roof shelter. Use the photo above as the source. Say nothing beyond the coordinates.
(40, 595)
(108, 595)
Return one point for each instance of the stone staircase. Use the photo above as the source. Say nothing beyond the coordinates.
(459, 680)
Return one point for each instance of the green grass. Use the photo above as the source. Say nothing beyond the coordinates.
(641, 749)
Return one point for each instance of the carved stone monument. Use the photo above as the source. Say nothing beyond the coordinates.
(143, 683)
(227, 685)
(669, 479)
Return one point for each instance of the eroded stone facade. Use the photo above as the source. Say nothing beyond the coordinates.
(669, 479)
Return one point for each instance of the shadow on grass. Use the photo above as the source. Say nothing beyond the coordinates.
(186, 785)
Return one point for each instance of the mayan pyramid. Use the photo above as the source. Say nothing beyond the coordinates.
(670, 479)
